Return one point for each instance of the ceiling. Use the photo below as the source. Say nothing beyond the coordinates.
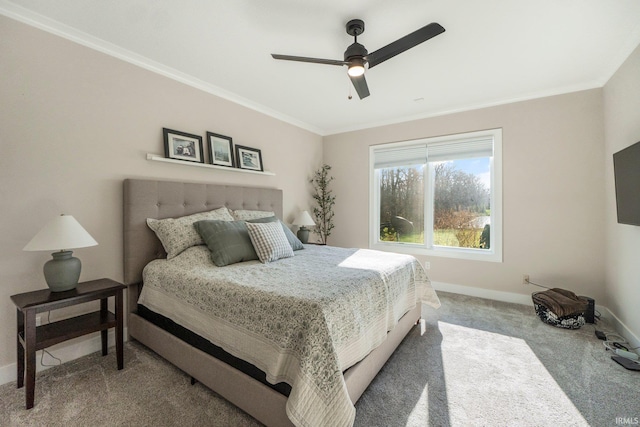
(493, 51)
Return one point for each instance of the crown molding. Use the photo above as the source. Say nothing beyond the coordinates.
(49, 25)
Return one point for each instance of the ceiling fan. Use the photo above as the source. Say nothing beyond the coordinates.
(356, 55)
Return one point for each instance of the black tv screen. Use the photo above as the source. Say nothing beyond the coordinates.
(626, 168)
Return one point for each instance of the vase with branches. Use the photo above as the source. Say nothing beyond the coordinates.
(323, 211)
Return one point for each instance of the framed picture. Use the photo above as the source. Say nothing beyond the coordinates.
(248, 158)
(182, 146)
(220, 150)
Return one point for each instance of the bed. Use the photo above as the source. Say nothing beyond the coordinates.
(279, 396)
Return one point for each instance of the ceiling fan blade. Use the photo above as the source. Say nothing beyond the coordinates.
(312, 60)
(360, 84)
(404, 43)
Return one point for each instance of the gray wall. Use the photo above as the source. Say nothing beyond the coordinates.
(622, 128)
(553, 192)
(75, 122)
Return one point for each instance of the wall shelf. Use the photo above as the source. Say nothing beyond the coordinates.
(158, 158)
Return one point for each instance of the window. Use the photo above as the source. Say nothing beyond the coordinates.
(439, 196)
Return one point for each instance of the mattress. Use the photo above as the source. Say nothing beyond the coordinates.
(300, 320)
(208, 347)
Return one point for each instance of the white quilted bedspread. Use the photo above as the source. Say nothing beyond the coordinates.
(302, 320)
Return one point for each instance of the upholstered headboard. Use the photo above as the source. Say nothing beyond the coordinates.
(163, 199)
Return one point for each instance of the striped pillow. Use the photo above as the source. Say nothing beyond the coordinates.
(295, 243)
(269, 241)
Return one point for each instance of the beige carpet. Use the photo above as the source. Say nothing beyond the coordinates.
(478, 363)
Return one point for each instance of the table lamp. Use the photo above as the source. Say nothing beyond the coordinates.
(303, 219)
(61, 233)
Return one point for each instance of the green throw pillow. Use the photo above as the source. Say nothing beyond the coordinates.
(228, 241)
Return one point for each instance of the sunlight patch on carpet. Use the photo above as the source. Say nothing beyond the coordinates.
(423, 326)
(420, 411)
(488, 370)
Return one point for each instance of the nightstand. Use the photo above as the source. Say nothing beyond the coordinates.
(31, 338)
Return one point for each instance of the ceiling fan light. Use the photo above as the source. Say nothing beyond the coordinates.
(356, 70)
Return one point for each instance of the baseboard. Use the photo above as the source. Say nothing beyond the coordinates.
(512, 297)
(619, 326)
(64, 351)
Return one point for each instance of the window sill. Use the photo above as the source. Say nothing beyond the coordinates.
(466, 254)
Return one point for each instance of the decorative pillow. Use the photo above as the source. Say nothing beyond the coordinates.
(228, 241)
(247, 215)
(269, 241)
(295, 243)
(178, 234)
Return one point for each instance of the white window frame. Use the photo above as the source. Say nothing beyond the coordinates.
(494, 254)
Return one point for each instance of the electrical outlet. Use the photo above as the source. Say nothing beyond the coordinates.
(525, 279)
(427, 265)
(38, 320)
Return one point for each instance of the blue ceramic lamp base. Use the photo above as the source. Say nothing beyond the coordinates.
(303, 234)
(62, 272)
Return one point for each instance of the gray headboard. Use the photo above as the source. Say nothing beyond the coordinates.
(163, 199)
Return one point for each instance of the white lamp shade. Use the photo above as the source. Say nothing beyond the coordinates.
(303, 219)
(62, 232)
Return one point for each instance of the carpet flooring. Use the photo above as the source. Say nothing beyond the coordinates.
(473, 362)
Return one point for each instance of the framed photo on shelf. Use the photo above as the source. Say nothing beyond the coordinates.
(220, 150)
(248, 158)
(182, 146)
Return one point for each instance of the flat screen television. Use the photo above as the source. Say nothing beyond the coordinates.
(626, 169)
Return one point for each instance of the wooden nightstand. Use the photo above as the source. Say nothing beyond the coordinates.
(31, 338)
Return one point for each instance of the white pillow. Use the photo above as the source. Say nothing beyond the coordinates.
(178, 234)
(246, 215)
(269, 241)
